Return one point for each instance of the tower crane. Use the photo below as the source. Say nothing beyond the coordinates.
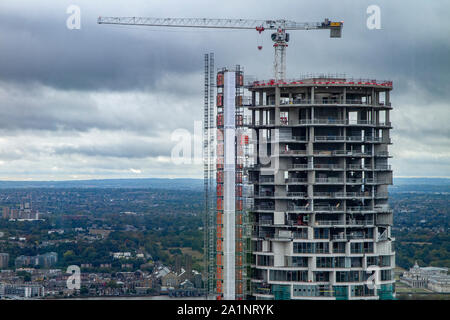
(280, 37)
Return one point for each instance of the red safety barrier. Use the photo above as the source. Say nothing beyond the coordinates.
(220, 79)
(219, 100)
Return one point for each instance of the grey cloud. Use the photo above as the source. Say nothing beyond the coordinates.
(57, 84)
(129, 150)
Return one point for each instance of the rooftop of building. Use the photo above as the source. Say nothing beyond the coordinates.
(321, 80)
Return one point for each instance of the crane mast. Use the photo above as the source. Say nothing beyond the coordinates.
(280, 37)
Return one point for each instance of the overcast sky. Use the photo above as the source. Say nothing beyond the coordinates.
(103, 101)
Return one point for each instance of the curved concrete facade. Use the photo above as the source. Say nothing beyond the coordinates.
(321, 220)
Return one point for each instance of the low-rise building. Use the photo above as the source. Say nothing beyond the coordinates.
(432, 278)
(21, 290)
(4, 260)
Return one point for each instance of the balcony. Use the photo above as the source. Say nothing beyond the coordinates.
(300, 166)
(328, 166)
(329, 223)
(292, 139)
(328, 153)
(296, 194)
(265, 194)
(318, 208)
(297, 180)
(356, 222)
(294, 208)
(383, 167)
(383, 209)
(330, 180)
(382, 154)
(381, 195)
(360, 209)
(294, 152)
(358, 236)
(262, 207)
(329, 138)
(265, 222)
(323, 194)
(354, 181)
(266, 180)
(354, 194)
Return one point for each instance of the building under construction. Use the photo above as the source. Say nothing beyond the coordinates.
(321, 224)
(296, 176)
(302, 189)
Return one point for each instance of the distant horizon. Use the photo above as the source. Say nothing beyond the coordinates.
(180, 178)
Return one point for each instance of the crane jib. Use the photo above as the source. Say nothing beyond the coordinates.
(280, 37)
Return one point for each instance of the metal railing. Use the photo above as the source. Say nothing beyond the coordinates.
(296, 194)
(266, 179)
(328, 166)
(359, 208)
(360, 222)
(297, 180)
(265, 222)
(293, 152)
(329, 180)
(329, 138)
(300, 166)
(353, 180)
(263, 207)
(329, 222)
(328, 208)
(293, 207)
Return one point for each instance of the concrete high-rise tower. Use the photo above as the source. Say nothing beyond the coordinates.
(321, 220)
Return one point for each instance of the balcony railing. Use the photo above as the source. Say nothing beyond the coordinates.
(265, 194)
(383, 209)
(329, 222)
(291, 138)
(328, 208)
(265, 222)
(300, 166)
(360, 222)
(297, 180)
(376, 181)
(329, 138)
(294, 152)
(297, 194)
(329, 180)
(359, 208)
(358, 235)
(292, 207)
(340, 153)
(266, 180)
(382, 167)
(263, 207)
(328, 166)
(353, 180)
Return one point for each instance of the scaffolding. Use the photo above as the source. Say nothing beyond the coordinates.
(209, 173)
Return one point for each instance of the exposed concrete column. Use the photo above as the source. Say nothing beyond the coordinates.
(253, 98)
(277, 105)
(373, 97)
(312, 94)
(345, 95)
(388, 97)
